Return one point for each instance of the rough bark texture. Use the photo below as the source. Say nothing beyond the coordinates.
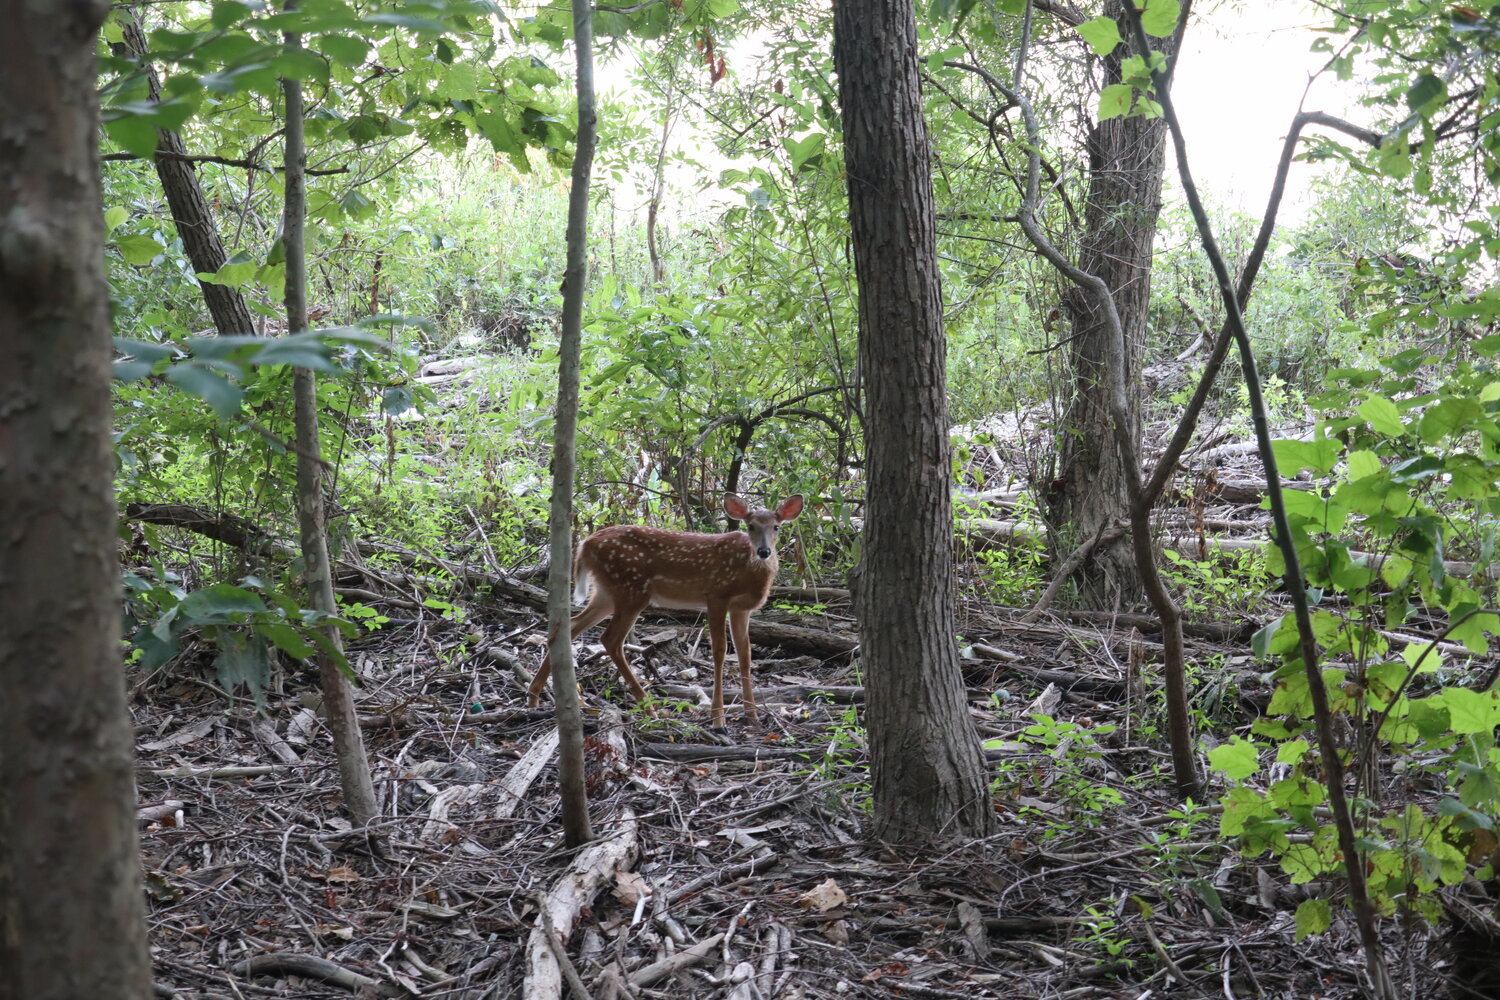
(72, 921)
(1126, 160)
(190, 213)
(338, 699)
(926, 763)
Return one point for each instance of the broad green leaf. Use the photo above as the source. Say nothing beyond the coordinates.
(460, 82)
(287, 639)
(1291, 752)
(1114, 100)
(134, 132)
(1314, 916)
(137, 249)
(1470, 711)
(1425, 89)
(220, 599)
(1102, 35)
(243, 660)
(350, 50)
(1449, 416)
(1159, 17)
(218, 392)
(1361, 464)
(1381, 414)
(1236, 759)
(1320, 456)
(114, 218)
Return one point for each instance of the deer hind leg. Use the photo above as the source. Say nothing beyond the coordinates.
(716, 642)
(601, 607)
(614, 642)
(739, 621)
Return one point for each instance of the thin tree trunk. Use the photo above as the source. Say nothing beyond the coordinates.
(72, 921)
(925, 759)
(575, 806)
(338, 700)
(190, 212)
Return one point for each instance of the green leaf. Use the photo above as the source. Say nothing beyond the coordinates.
(218, 392)
(1320, 456)
(1102, 35)
(1291, 752)
(137, 249)
(1237, 759)
(1114, 100)
(114, 218)
(287, 639)
(218, 601)
(1471, 711)
(350, 50)
(1382, 415)
(243, 660)
(1159, 17)
(135, 133)
(1425, 89)
(1314, 916)
(460, 82)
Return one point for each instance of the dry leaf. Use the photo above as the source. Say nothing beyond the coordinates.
(630, 888)
(823, 897)
(342, 875)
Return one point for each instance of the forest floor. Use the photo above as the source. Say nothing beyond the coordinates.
(741, 854)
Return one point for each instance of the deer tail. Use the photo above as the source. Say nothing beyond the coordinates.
(580, 577)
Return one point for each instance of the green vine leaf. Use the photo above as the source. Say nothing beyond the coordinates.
(1102, 34)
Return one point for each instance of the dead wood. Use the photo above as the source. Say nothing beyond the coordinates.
(312, 967)
(566, 900)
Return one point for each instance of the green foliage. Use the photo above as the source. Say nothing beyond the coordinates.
(1414, 445)
(242, 623)
(1226, 585)
(1076, 754)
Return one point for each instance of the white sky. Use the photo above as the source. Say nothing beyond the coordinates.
(1239, 79)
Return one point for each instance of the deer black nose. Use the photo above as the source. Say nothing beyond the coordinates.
(763, 552)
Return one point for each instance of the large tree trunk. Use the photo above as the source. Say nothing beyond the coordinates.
(1126, 159)
(926, 763)
(190, 213)
(72, 920)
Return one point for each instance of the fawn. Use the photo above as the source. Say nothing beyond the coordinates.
(632, 566)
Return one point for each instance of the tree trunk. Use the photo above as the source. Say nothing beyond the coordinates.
(575, 806)
(190, 213)
(925, 759)
(72, 920)
(1126, 160)
(338, 700)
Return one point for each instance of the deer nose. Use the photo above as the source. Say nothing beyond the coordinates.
(764, 552)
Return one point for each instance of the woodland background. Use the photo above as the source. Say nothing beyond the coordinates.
(1151, 752)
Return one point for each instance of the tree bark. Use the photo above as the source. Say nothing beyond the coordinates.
(72, 920)
(1127, 157)
(575, 806)
(926, 764)
(190, 212)
(338, 699)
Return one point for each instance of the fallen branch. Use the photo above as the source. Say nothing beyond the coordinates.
(284, 963)
(595, 864)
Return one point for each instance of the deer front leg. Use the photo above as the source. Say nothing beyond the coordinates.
(739, 621)
(717, 643)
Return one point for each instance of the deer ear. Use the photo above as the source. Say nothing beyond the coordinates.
(790, 508)
(735, 507)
